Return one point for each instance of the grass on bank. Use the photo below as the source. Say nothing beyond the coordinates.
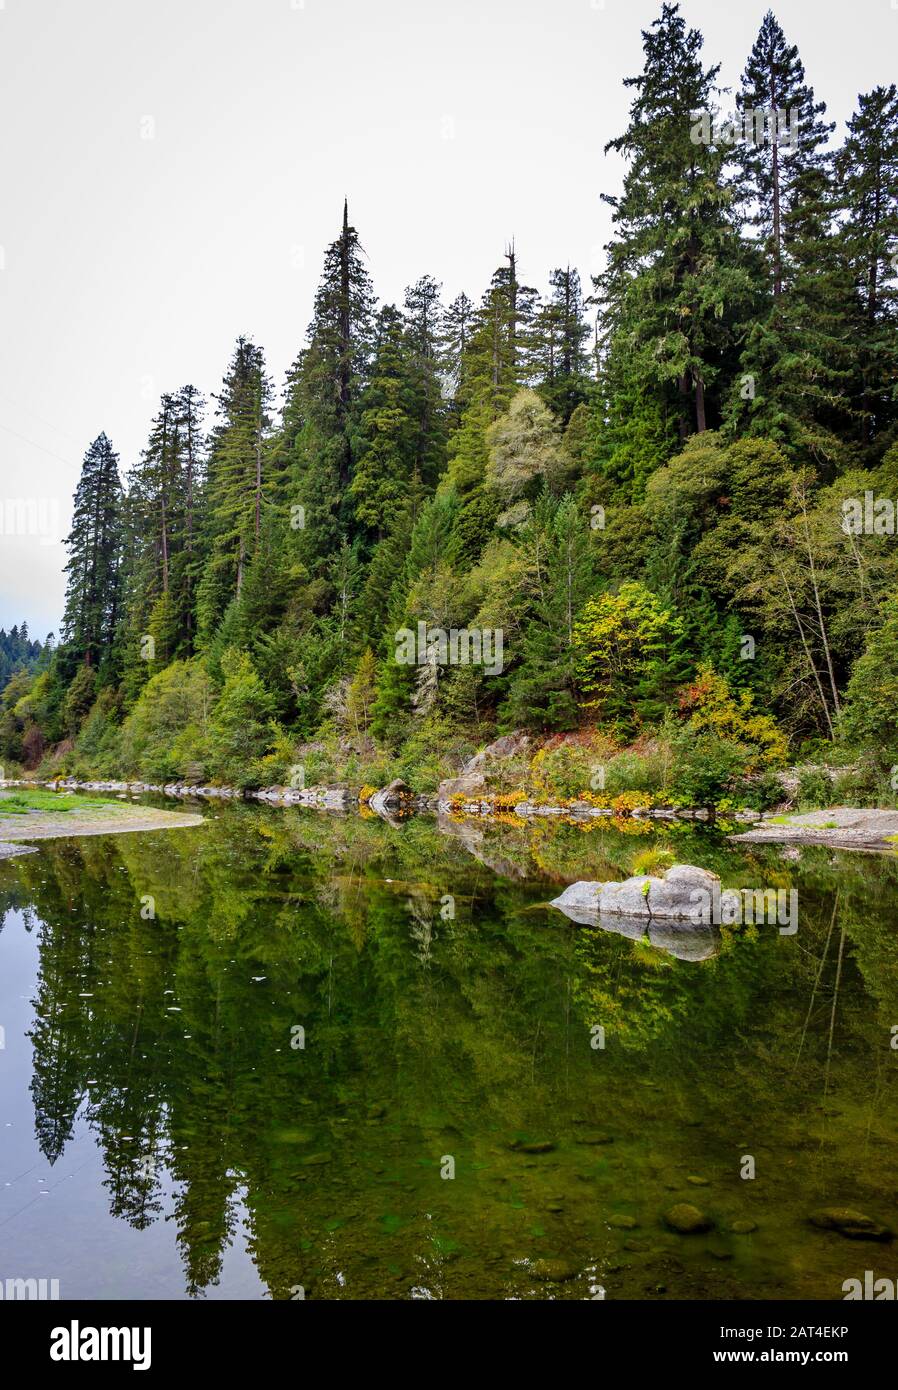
(21, 803)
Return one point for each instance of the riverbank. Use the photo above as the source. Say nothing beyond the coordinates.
(840, 827)
(869, 829)
(21, 826)
(397, 799)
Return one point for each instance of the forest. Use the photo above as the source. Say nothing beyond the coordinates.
(671, 491)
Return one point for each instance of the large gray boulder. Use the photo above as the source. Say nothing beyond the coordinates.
(396, 797)
(468, 785)
(508, 746)
(685, 938)
(471, 781)
(580, 902)
(630, 898)
(685, 893)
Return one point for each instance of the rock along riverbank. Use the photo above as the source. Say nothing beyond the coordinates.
(841, 827)
(392, 801)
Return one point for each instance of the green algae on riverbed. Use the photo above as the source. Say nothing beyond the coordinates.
(323, 1012)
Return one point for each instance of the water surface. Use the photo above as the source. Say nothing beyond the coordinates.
(244, 1061)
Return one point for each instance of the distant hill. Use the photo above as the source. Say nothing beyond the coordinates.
(18, 651)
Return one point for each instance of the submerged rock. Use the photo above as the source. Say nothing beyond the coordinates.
(850, 1223)
(316, 1160)
(553, 1271)
(687, 1220)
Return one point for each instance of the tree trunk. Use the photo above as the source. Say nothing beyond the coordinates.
(257, 519)
(345, 343)
(164, 546)
(512, 312)
(777, 229)
(807, 651)
(700, 423)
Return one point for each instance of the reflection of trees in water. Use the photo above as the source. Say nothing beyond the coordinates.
(182, 1025)
(57, 1076)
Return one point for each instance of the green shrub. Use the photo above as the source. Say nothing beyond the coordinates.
(707, 768)
(865, 785)
(638, 772)
(570, 769)
(432, 752)
(242, 730)
(167, 730)
(815, 788)
(759, 793)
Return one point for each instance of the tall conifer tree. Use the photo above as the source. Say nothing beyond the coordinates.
(94, 546)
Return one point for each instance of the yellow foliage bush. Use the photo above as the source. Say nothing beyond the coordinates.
(506, 801)
(711, 705)
(628, 802)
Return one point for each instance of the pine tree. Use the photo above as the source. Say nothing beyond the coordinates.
(360, 697)
(241, 728)
(389, 434)
(190, 406)
(560, 576)
(560, 334)
(323, 392)
(458, 322)
(782, 149)
(867, 167)
(496, 360)
(153, 518)
(239, 483)
(677, 277)
(797, 360)
(424, 332)
(94, 545)
(506, 318)
(411, 600)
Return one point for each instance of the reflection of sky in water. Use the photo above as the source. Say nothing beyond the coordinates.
(54, 1219)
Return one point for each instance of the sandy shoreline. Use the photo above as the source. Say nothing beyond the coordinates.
(17, 831)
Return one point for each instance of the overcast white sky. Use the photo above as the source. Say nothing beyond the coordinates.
(130, 263)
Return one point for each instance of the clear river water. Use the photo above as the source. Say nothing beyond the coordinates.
(291, 1054)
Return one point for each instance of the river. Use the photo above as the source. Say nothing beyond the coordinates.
(289, 1054)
